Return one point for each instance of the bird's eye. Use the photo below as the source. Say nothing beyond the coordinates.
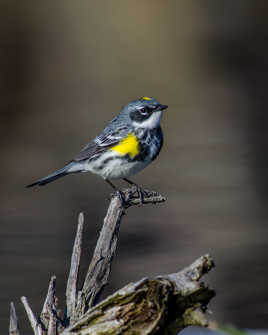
(143, 111)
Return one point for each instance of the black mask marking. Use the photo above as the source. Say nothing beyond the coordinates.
(140, 115)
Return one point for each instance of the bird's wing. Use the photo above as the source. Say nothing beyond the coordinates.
(101, 143)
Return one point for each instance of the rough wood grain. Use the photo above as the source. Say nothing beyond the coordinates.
(163, 305)
(52, 324)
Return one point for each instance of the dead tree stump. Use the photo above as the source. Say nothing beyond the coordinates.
(161, 305)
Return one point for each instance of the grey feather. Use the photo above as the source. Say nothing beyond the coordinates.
(53, 176)
(109, 138)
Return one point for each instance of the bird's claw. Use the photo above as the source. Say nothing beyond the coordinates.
(124, 197)
(141, 193)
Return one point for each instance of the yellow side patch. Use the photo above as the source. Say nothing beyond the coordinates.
(128, 146)
(146, 98)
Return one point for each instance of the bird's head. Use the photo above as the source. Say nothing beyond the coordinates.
(144, 113)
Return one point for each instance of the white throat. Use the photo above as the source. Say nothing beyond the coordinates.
(152, 122)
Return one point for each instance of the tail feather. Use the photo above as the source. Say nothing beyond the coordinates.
(53, 176)
(48, 179)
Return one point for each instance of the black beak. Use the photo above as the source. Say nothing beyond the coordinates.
(161, 107)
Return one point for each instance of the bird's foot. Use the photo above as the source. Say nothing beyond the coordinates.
(141, 192)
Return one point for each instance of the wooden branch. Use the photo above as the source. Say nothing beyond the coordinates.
(164, 305)
(100, 266)
(49, 302)
(36, 326)
(71, 288)
(50, 315)
(13, 324)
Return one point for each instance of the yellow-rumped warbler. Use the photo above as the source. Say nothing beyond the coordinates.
(130, 142)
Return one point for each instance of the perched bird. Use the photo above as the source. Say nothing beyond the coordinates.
(130, 142)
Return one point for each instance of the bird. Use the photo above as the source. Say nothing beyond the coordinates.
(129, 143)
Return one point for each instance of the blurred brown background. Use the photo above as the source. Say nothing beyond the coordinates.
(67, 68)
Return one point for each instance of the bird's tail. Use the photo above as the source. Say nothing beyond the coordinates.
(55, 175)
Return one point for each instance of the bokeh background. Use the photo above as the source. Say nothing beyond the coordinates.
(68, 67)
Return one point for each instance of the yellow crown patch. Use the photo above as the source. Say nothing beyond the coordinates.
(128, 146)
(146, 98)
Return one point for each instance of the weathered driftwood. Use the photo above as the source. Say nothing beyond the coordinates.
(162, 305)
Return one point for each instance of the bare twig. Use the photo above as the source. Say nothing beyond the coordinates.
(71, 289)
(49, 309)
(49, 301)
(33, 321)
(13, 325)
